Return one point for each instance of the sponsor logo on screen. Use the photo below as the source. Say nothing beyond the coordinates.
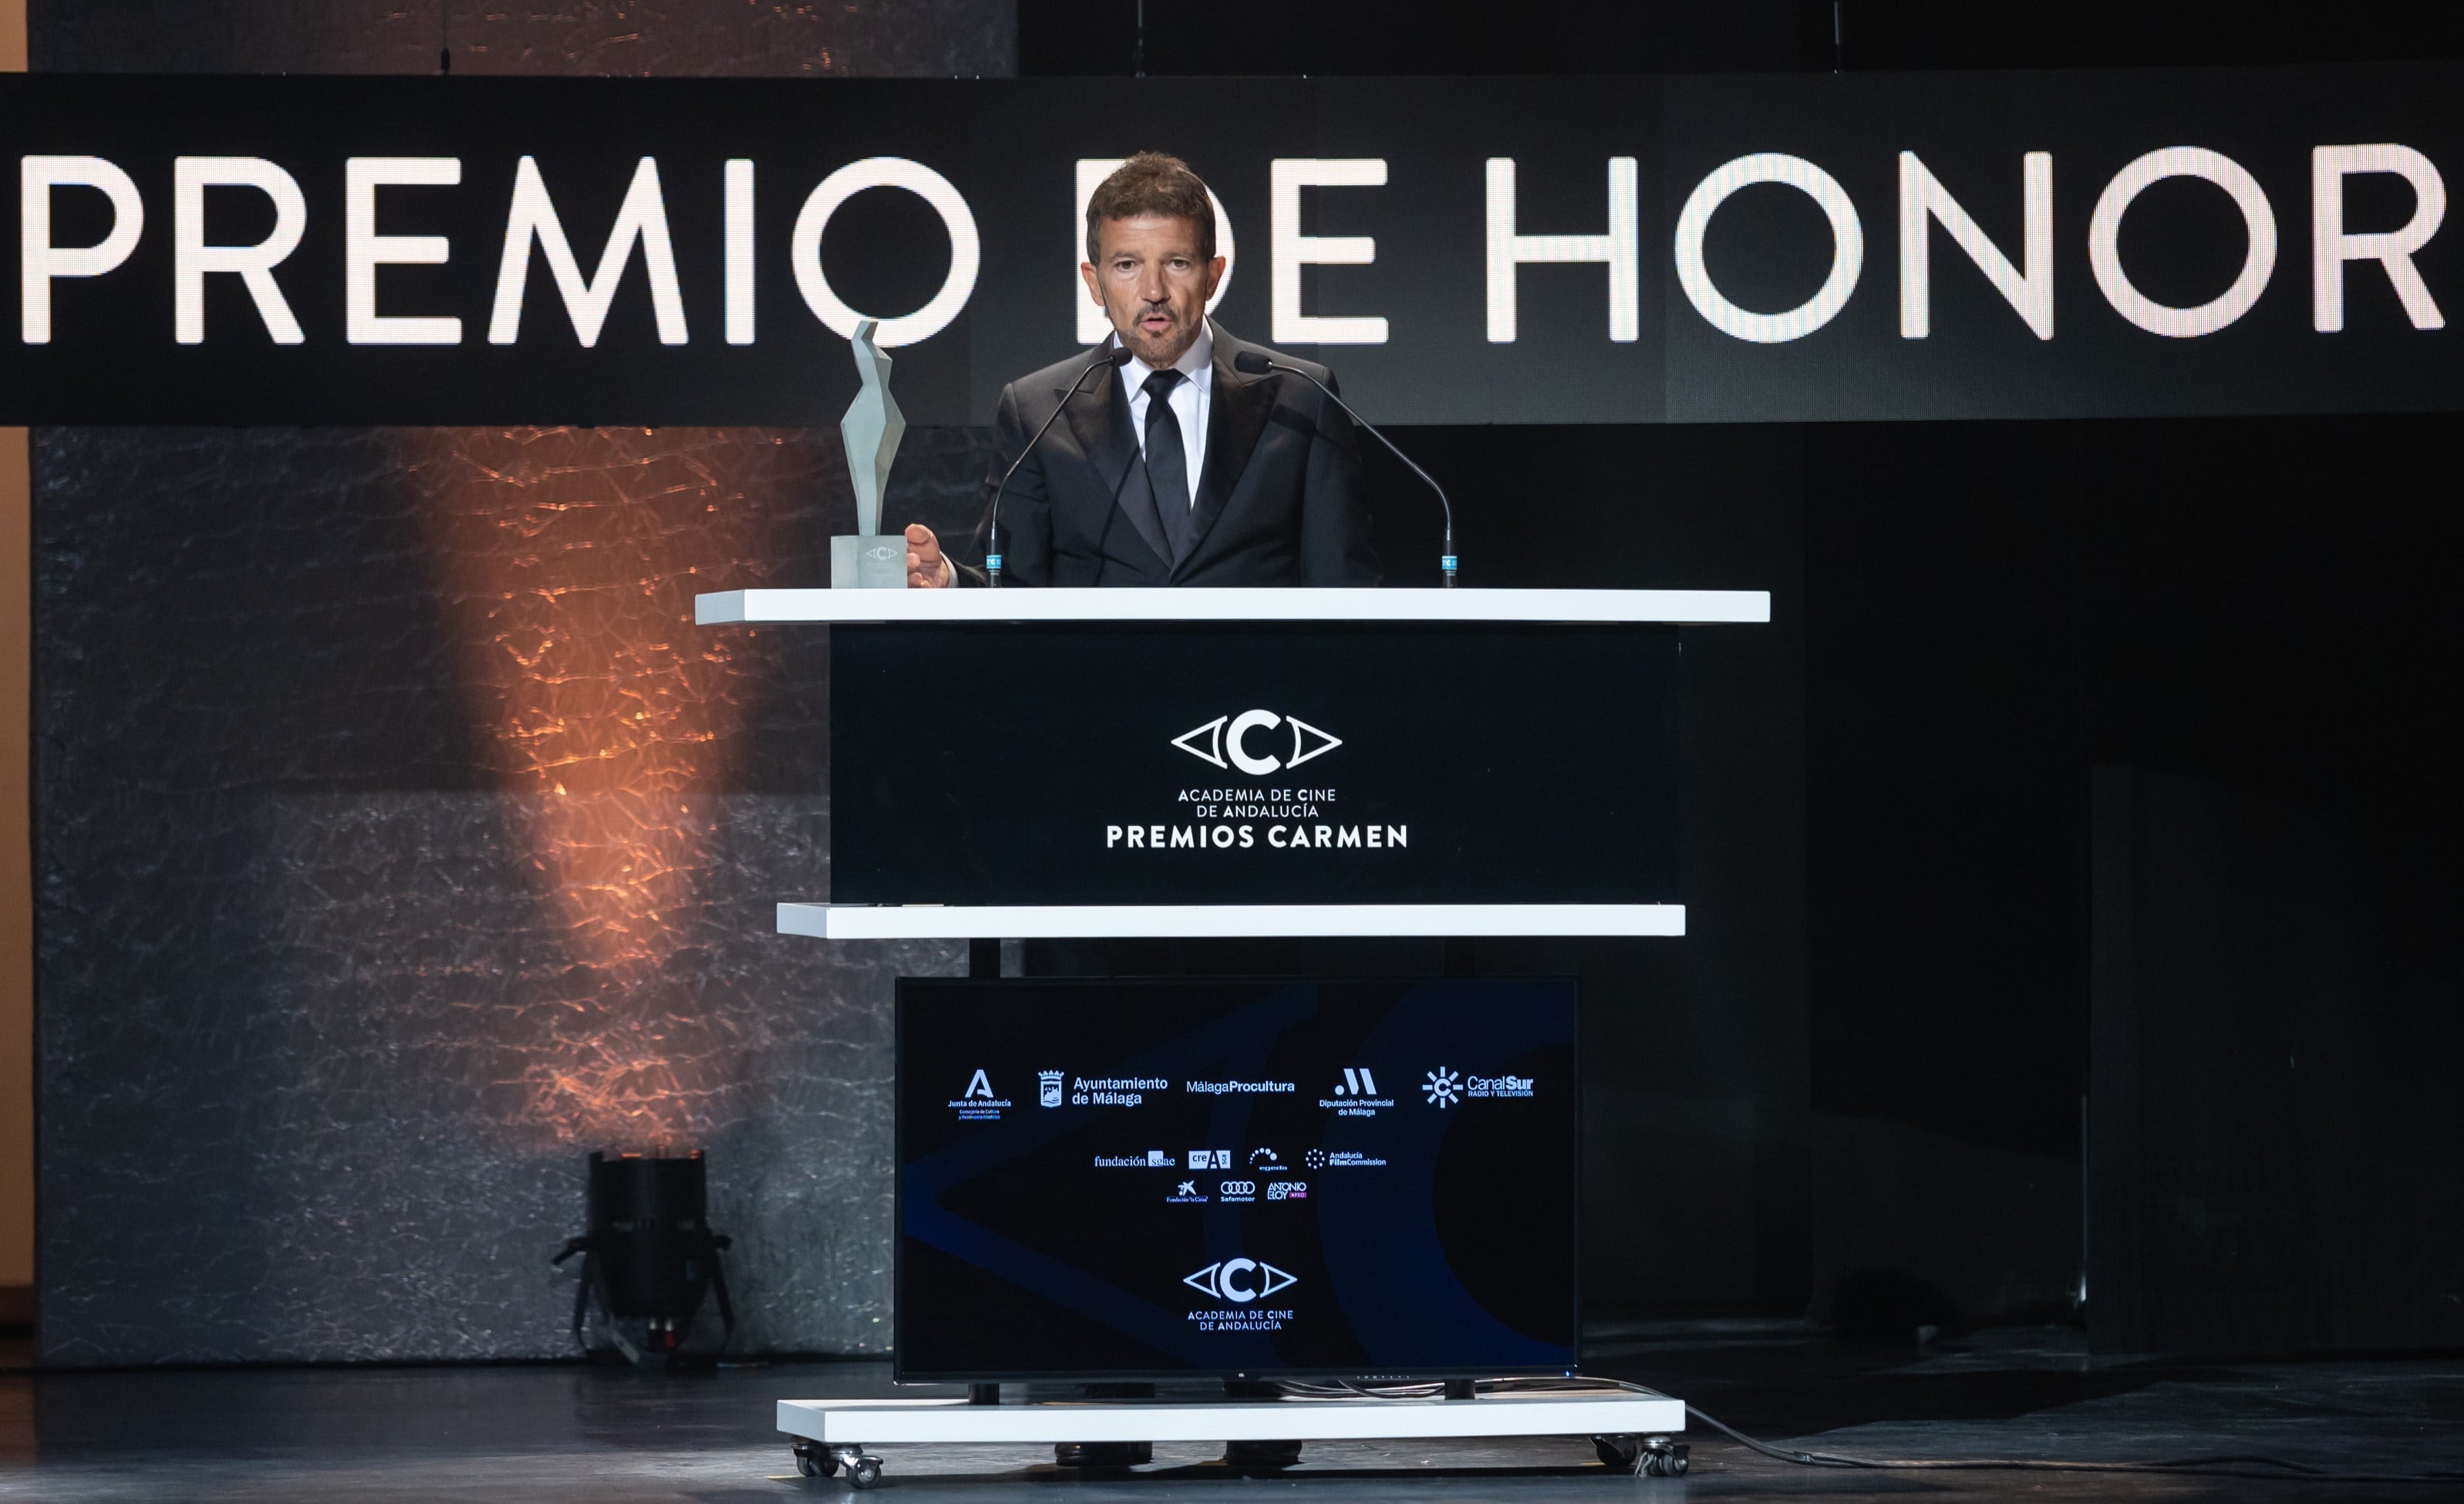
(1356, 1095)
(1138, 1160)
(1443, 1088)
(1048, 1088)
(1237, 1190)
(1107, 1091)
(1210, 1159)
(1240, 1281)
(1492, 1086)
(1237, 1088)
(1287, 1190)
(979, 1103)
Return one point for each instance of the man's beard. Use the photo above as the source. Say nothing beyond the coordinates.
(1159, 351)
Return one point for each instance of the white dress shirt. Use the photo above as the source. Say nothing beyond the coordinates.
(1189, 401)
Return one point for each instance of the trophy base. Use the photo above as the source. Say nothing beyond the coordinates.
(868, 561)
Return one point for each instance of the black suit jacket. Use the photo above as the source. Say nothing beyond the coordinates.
(1279, 499)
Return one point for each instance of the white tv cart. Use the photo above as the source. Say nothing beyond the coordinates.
(1632, 1432)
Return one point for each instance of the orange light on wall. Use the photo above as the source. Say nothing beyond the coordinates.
(570, 559)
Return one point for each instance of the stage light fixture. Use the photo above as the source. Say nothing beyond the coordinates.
(649, 1259)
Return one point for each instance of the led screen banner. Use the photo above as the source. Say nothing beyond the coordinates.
(1123, 1179)
(304, 250)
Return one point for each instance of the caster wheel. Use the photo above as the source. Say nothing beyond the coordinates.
(813, 1462)
(1662, 1458)
(865, 1472)
(1257, 1455)
(1621, 1453)
(1103, 1455)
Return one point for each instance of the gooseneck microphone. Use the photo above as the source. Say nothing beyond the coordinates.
(1110, 359)
(1255, 363)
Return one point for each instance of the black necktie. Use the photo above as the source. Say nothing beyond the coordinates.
(1167, 461)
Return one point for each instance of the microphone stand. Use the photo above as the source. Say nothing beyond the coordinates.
(1255, 363)
(1111, 359)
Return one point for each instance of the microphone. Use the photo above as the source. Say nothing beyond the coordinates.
(1255, 363)
(1110, 359)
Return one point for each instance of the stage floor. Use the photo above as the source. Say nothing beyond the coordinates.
(552, 1433)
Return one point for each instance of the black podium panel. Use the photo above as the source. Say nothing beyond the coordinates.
(1247, 762)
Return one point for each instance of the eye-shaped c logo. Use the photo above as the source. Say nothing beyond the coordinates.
(1240, 1281)
(1227, 742)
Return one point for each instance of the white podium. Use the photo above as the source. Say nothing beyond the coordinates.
(1082, 604)
(1134, 607)
(1633, 1432)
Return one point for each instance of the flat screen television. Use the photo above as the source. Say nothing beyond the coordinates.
(1239, 1178)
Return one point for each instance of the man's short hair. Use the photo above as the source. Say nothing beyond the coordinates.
(1150, 183)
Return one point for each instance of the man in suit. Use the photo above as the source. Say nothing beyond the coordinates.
(1178, 469)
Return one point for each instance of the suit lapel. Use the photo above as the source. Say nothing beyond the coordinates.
(1101, 420)
(1236, 416)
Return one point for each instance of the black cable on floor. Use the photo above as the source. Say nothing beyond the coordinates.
(2234, 1465)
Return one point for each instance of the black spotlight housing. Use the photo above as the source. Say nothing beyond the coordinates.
(649, 1258)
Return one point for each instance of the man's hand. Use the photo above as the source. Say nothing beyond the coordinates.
(926, 569)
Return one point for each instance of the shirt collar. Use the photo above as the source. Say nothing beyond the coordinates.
(1196, 363)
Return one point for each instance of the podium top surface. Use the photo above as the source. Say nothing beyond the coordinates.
(1279, 603)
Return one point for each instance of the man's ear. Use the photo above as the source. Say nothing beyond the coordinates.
(1214, 276)
(1086, 273)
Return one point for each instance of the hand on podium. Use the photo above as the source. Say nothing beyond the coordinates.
(926, 568)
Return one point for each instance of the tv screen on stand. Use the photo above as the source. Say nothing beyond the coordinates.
(1106, 1181)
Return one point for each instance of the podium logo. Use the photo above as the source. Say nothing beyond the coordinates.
(1230, 741)
(1240, 1281)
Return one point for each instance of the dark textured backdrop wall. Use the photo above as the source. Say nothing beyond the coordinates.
(399, 838)
(689, 38)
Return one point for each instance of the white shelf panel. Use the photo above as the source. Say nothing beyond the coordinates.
(1082, 604)
(1177, 920)
(871, 1422)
